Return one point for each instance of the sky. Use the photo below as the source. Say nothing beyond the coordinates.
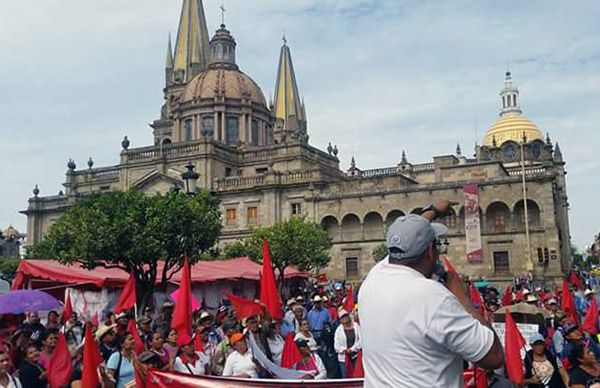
(378, 77)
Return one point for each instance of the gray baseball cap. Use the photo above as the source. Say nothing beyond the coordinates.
(411, 235)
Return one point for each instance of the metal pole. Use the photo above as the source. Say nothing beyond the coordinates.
(524, 184)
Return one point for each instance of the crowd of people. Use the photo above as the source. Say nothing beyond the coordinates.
(325, 335)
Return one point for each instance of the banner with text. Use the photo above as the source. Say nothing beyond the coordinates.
(472, 223)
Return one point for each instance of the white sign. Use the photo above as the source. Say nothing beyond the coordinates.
(527, 330)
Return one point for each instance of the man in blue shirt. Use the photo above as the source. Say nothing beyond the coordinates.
(318, 317)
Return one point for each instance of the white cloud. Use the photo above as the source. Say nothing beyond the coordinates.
(378, 77)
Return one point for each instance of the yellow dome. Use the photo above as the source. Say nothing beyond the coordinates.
(227, 82)
(512, 128)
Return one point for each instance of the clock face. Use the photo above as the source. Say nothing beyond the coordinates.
(510, 152)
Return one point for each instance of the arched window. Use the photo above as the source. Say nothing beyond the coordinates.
(254, 134)
(373, 226)
(330, 224)
(208, 125)
(351, 229)
(188, 130)
(497, 217)
(232, 134)
(533, 213)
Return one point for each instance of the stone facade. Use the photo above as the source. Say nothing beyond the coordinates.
(257, 159)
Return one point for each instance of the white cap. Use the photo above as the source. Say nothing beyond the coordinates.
(588, 292)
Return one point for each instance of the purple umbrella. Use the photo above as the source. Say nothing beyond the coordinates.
(21, 301)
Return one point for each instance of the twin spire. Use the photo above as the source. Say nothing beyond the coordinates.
(193, 55)
(287, 105)
(192, 52)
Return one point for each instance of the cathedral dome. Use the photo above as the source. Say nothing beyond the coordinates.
(511, 128)
(11, 232)
(511, 125)
(223, 82)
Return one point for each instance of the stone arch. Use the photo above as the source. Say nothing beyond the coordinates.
(533, 211)
(498, 217)
(392, 215)
(416, 210)
(332, 226)
(351, 228)
(373, 226)
(451, 220)
(165, 141)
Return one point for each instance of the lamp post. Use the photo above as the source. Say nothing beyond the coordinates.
(190, 177)
(525, 210)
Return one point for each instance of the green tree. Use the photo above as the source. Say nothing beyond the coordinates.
(380, 252)
(294, 242)
(133, 231)
(8, 268)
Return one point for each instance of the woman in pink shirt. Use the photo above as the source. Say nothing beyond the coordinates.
(48, 345)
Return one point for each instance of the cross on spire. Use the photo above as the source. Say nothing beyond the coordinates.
(222, 8)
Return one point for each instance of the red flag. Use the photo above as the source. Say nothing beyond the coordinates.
(244, 307)
(68, 310)
(590, 322)
(475, 378)
(198, 344)
(519, 296)
(182, 314)
(567, 303)
(513, 343)
(574, 279)
(91, 360)
(290, 354)
(354, 370)
(127, 298)
(95, 320)
(449, 265)
(508, 297)
(349, 301)
(269, 295)
(60, 367)
(475, 297)
(132, 329)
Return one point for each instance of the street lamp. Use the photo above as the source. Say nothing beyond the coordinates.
(190, 177)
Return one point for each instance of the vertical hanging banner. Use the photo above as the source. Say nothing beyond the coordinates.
(472, 223)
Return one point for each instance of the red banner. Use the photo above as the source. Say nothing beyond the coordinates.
(161, 379)
(472, 223)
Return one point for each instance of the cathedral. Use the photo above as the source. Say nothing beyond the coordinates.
(255, 156)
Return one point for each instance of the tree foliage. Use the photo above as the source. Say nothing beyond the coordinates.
(380, 252)
(294, 242)
(132, 231)
(8, 268)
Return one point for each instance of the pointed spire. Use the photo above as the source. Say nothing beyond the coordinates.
(548, 140)
(353, 163)
(404, 160)
(169, 63)
(557, 153)
(191, 45)
(288, 106)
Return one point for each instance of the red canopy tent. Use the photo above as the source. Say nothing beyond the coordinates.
(48, 273)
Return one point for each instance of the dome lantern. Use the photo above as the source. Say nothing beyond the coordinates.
(222, 49)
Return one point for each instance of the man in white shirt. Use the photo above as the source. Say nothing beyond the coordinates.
(240, 363)
(415, 331)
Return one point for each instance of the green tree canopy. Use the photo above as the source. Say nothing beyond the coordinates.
(132, 231)
(294, 242)
(380, 252)
(8, 268)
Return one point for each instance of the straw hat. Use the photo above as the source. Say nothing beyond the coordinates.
(103, 330)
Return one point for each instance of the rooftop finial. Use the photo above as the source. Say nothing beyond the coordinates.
(284, 38)
(404, 160)
(458, 149)
(222, 8)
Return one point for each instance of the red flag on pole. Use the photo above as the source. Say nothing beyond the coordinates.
(269, 295)
(132, 329)
(574, 279)
(60, 367)
(448, 265)
(590, 322)
(290, 354)
(68, 310)
(244, 307)
(508, 297)
(475, 297)
(182, 314)
(567, 303)
(91, 360)
(349, 301)
(513, 343)
(127, 298)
